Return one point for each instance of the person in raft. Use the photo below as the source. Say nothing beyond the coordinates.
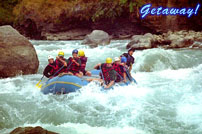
(61, 63)
(130, 58)
(83, 59)
(74, 64)
(108, 72)
(123, 62)
(51, 68)
(120, 71)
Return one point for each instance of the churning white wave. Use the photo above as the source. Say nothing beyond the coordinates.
(166, 100)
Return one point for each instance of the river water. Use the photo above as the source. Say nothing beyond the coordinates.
(167, 99)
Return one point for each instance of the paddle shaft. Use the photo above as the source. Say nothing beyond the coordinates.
(102, 74)
(42, 77)
(62, 68)
(129, 76)
(58, 70)
(39, 81)
(119, 75)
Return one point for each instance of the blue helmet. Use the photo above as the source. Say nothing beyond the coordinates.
(123, 59)
(75, 51)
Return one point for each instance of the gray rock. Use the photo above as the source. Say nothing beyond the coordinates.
(196, 45)
(97, 37)
(74, 34)
(178, 39)
(18, 55)
(140, 42)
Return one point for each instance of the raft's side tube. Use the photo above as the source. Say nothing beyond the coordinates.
(63, 84)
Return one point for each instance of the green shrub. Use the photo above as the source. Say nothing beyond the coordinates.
(51, 11)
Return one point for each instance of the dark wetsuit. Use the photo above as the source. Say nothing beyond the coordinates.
(130, 59)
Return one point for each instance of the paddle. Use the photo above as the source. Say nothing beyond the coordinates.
(37, 85)
(102, 74)
(58, 71)
(129, 76)
(121, 77)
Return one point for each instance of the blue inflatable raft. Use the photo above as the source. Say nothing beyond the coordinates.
(68, 83)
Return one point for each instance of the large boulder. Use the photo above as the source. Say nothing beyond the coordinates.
(31, 130)
(140, 42)
(97, 37)
(18, 55)
(180, 39)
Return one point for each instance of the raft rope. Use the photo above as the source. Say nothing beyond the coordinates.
(62, 82)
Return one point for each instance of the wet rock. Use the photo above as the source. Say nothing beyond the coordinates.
(179, 39)
(31, 130)
(74, 34)
(97, 37)
(196, 45)
(18, 55)
(198, 37)
(140, 42)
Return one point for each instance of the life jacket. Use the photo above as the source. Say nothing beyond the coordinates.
(53, 70)
(83, 63)
(119, 73)
(105, 71)
(73, 66)
(59, 65)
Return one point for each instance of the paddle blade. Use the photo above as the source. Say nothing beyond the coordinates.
(38, 83)
(40, 86)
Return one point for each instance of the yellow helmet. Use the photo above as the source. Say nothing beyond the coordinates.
(109, 60)
(81, 53)
(61, 53)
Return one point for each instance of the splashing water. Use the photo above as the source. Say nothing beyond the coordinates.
(167, 99)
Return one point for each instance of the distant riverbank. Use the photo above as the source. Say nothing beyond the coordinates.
(72, 20)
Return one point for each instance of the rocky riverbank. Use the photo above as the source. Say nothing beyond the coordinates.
(73, 20)
(178, 39)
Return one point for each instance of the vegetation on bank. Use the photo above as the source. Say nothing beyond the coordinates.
(55, 11)
(6, 11)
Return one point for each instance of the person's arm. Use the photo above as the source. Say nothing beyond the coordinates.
(76, 62)
(133, 60)
(46, 71)
(130, 68)
(124, 73)
(124, 55)
(124, 76)
(110, 84)
(97, 66)
(61, 60)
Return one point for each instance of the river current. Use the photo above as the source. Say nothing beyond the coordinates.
(166, 100)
